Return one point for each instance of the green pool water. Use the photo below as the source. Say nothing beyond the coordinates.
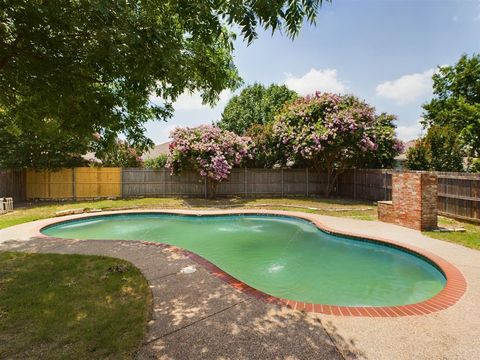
(281, 256)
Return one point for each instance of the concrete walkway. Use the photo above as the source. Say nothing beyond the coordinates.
(196, 316)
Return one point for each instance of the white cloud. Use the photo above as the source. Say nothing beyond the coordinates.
(193, 101)
(455, 18)
(165, 131)
(410, 132)
(407, 88)
(316, 80)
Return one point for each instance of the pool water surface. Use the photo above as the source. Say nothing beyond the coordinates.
(281, 256)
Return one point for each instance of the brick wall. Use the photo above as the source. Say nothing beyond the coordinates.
(414, 201)
(385, 211)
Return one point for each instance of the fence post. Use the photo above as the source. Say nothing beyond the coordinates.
(121, 183)
(245, 182)
(74, 188)
(165, 181)
(354, 184)
(282, 181)
(205, 186)
(306, 177)
(385, 185)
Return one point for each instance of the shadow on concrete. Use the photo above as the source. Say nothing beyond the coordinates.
(197, 316)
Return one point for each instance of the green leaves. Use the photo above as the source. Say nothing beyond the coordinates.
(439, 150)
(456, 102)
(256, 104)
(94, 66)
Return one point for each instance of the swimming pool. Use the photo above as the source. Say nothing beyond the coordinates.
(282, 256)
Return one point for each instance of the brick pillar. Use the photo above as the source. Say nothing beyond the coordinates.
(414, 201)
(429, 201)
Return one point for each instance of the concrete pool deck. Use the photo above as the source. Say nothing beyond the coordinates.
(197, 316)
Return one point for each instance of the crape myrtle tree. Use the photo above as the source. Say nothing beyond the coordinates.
(209, 150)
(108, 67)
(328, 132)
(388, 145)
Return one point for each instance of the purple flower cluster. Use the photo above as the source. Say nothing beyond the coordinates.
(314, 125)
(398, 146)
(208, 149)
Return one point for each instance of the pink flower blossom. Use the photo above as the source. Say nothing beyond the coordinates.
(208, 149)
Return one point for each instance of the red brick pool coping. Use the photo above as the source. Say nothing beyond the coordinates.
(454, 289)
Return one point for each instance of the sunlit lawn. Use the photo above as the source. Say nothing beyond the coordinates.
(470, 238)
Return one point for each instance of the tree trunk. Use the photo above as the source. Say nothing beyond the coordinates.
(332, 176)
(211, 188)
(328, 183)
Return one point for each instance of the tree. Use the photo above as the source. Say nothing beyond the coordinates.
(439, 150)
(156, 163)
(388, 146)
(418, 157)
(266, 153)
(119, 154)
(255, 105)
(211, 151)
(93, 66)
(326, 131)
(475, 166)
(445, 149)
(456, 102)
(40, 145)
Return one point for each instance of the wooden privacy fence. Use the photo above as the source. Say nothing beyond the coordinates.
(458, 193)
(242, 182)
(12, 184)
(71, 184)
(365, 184)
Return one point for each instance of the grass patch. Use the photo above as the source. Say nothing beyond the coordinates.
(71, 307)
(470, 238)
(39, 211)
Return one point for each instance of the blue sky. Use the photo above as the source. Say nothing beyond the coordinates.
(383, 51)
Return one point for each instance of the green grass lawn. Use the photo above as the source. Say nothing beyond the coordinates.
(71, 307)
(332, 207)
(470, 238)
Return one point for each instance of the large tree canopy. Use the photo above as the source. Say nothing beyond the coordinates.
(93, 66)
(456, 102)
(255, 105)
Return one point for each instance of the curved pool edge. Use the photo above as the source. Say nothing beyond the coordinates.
(453, 291)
